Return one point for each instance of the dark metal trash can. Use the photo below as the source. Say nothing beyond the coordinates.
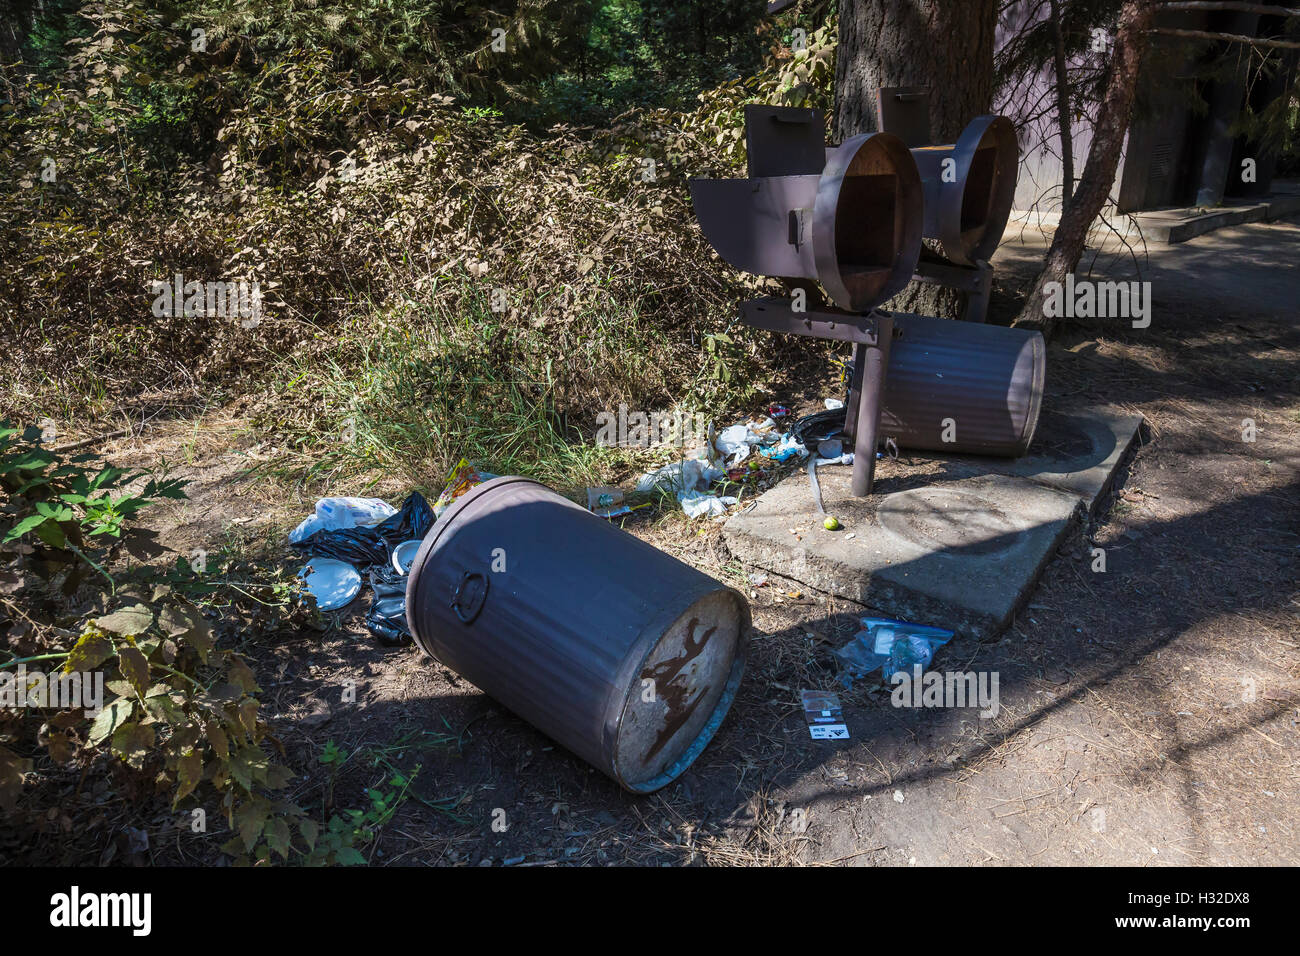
(963, 387)
(618, 651)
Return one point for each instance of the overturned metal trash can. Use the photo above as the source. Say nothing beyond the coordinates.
(614, 649)
(960, 387)
(949, 386)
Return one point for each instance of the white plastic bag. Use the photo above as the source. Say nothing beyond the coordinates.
(698, 505)
(681, 476)
(335, 513)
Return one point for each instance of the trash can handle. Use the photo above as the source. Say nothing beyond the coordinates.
(468, 605)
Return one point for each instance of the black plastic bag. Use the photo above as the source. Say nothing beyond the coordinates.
(373, 545)
(812, 430)
(359, 547)
(412, 521)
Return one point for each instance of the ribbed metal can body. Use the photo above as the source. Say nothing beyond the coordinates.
(623, 654)
(963, 387)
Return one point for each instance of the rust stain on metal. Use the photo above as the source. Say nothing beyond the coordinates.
(674, 695)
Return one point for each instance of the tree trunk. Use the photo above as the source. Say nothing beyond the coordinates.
(946, 45)
(1064, 113)
(1135, 19)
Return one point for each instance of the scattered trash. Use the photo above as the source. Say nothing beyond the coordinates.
(844, 459)
(730, 455)
(404, 554)
(689, 480)
(758, 580)
(787, 448)
(733, 443)
(833, 403)
(812, 430)
(824, 715)
(338, 556)
(359, 547)
(697, 504)
(372, 544)
(412, 521)
(463, 477)
(816, 488)
(334, 514)
(333, 583)
(608, 503)
(386, 619)
(890, 646)
(695, 474)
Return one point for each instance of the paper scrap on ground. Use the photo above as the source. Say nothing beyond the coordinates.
(606, 502)
(696, 474)
(825, 716)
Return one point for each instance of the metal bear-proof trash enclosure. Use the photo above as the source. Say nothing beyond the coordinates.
(621, 653)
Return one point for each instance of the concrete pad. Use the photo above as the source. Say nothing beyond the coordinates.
(1078, 451)
(1179, 225)
(963, 551)
(1282, 205)
(962, 554)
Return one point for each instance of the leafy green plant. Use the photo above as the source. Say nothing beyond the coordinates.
(183, 712)
(715, 346)
(349, 830)
(69, 506)
(346, 831)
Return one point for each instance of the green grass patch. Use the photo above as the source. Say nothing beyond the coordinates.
(410, 391)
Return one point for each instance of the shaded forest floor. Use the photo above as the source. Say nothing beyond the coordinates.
(1149, 715)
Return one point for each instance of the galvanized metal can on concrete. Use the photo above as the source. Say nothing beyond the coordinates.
(980, 385)
(618, 651)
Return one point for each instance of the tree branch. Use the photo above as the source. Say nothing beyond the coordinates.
(1063, 112)
(1234, 7)
(1230, 37)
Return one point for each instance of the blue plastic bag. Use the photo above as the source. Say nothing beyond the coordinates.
(890, 646)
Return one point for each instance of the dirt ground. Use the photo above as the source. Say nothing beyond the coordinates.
(1149, 715)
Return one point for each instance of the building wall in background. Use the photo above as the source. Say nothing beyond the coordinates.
(1165, 150)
